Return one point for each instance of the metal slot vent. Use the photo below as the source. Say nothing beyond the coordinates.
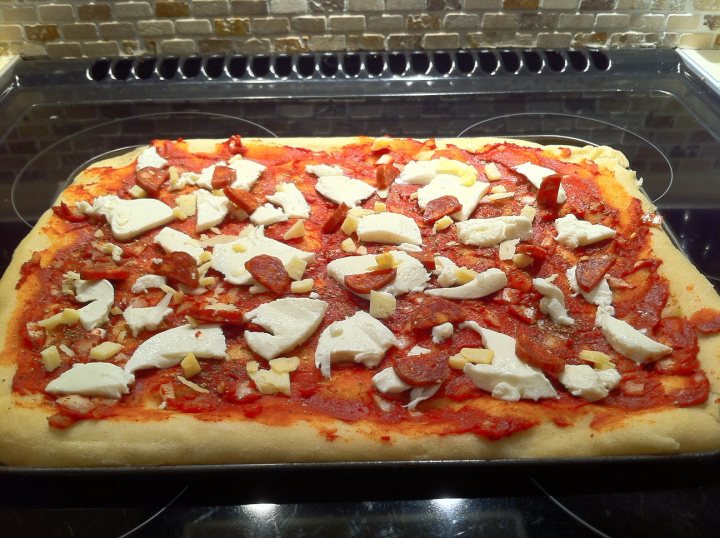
(362, 65)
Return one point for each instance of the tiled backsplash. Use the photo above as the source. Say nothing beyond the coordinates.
(81, 28)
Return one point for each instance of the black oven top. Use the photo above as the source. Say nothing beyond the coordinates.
(56, 116)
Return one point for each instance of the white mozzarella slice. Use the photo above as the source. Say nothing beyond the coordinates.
(360, 338)
(211, 210)
(388, 382)
(289, 321)
(150, 157)
(172, 240)
(442, 332)
(146, 282)
(342, 189)
(601, 295)
(420, 394)
(584, 381)
(292, 201)
(230, 258)
(417, 173)
(102, 379)
(168, 348)
(630, 342)
(389, 228)
(147, 318)
(100, 295)
(202, 179)
(130, 218)
(553, 301)
(449, 185)
(407, 247)
(267, 214)
(247, 172)
(574, 233)
(418, 350)
(411, 274)
(446, 271)
(493, 231)
(321, 170)
(535, 175)
(483, 284)
(506, 377)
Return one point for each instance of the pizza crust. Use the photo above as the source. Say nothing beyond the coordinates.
(26, 439)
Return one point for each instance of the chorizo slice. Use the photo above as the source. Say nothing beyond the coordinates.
(222, 177)
(335, 219)
(435, 311)
(441, 207)
(536, 252)
(548, 191)
(109, 272)
(590, 272)
(150, 179)
(364, 283)
(706, 320)
(269, 271)
(422, 370)
(385, 175)
(542, 350)
(246, 201)
(179, 267)
(426, 258)
(234, 144)
(65, 213)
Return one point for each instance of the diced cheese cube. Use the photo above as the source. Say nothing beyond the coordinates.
(205, 256)
(507, 249)
(252, 367)
(457, 361)
(296, 268)
(190, 365)
(302, 286)
(239, 247)
(442, 223)
(477, 355)
(349, 225)
(187, 204)
(385, 261)
(284, 364)
(382, 304)
(208, 281)
(271, 382)
(598, 358)
(463, 275)
(529, 212)
(492, 172)
(136, 191)
(348, 245)
(381, 143)
(379, 207)
(522, 260)
(362, 250)
(50, 358)
(67, 317)
(359, 212)
(295, 231)
(105, 351)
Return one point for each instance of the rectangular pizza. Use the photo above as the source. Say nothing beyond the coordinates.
(354, 299)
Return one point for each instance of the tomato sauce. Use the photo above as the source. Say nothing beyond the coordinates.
(459, 406)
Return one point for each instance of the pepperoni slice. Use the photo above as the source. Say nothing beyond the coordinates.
(435, 311)
(526, 314)
(234, 144)
(590, 272)
(422, 370)
(373, 280)
(269, 271)
(534, 251)
(242, 199)
(222, 177)
(104, 272)
(542, 350)
(706, 320)
(520, 281)
(440, 207)
(179, 267)
(224, 317)
(151, 179)
(426, 258)
(64, 212)
(385, 175)
(548, 191)
(335, 220)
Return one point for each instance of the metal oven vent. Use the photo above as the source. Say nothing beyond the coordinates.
(349, 65)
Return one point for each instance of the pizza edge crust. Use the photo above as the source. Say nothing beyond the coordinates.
(26, 439)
